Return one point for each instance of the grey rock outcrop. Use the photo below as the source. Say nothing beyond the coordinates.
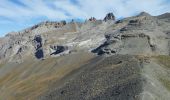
(125, 36)
(92, 19)
(109, 16)
(39, 53)
(106, 48)
(144, 31)
(59, 49)
(50, 24)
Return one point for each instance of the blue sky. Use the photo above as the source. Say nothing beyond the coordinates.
(16, 15)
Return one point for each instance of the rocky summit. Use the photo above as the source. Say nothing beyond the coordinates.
(99, 59)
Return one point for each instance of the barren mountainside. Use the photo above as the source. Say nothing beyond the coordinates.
(107, 59)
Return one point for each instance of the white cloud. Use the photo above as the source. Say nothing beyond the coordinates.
(84, 8)
(123, 8)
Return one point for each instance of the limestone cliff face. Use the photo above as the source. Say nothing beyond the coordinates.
(35, 41)
(142, 34)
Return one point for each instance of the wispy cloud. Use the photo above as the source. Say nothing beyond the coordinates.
(24, 11)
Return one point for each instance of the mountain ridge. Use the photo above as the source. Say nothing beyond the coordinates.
(104, 59)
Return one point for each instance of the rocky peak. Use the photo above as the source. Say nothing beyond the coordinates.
(92, 19)
(49, 24)
(144, 14)
(109, 16)
(90, 36)
(163, 16)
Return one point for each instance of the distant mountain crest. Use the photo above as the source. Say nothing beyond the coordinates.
(99, 36)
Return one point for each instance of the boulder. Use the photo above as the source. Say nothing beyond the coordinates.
(58, 49)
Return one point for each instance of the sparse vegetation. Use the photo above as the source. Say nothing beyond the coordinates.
(165, 82)
(164, 60)
(28, 81)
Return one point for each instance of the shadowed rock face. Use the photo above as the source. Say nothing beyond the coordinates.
(39, 54)
(105, 49)
(59, 49)
(109, 16)
(113, 78)
(92, 19)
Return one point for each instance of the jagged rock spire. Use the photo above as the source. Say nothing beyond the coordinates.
(109, 16)
(92, 19)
